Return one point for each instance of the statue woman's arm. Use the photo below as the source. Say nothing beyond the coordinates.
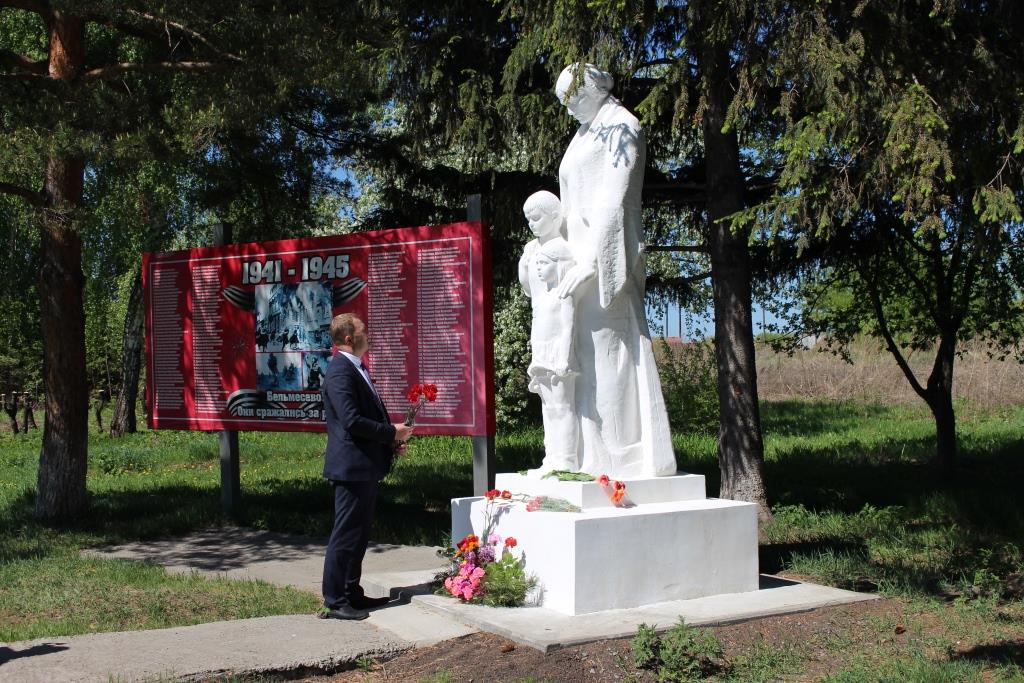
(615, 216)
(615, 191)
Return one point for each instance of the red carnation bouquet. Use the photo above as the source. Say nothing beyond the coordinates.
(419, 395)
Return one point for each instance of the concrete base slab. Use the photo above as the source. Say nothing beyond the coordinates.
(245, 647)
(418, 624)
(545, 629)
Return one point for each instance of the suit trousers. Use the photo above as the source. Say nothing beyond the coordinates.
(354, 503)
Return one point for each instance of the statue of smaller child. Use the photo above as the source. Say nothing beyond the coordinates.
(553, 369)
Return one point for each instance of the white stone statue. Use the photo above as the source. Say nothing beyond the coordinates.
(553, 368)
(623, 425)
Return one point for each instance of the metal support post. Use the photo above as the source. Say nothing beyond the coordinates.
(484, 464)
(230, 470)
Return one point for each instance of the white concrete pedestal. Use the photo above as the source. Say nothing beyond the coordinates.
(607, 558)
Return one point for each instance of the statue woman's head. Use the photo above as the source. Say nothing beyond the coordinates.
(584, 103)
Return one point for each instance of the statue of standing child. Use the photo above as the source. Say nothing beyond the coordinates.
(553, 368)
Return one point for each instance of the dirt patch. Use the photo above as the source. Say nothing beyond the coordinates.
(815, 635)
(795, 647)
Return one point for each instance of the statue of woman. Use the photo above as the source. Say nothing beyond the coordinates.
(624, 428)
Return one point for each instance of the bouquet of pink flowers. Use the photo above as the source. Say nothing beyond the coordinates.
(475, 561)
(484, 568)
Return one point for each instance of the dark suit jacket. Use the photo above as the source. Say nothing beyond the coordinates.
(360, 436)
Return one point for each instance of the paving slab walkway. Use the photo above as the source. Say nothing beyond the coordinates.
(267, 645)
(302, 642)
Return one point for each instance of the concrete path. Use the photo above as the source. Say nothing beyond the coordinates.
(281, 559)
(194, 653)
(305, 643)
(247, 647)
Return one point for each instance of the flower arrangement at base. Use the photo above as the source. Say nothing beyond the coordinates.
(484, 569)
(487, 574)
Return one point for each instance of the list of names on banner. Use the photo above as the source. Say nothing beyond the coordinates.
(207, 336)
(168, 321)
(443, 355)
(386, 317)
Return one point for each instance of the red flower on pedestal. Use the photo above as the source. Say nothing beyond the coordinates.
(615, 490)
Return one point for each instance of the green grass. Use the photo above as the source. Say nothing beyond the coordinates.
(164, 483)
(762, 664)
(855, 503)
(858, 506)
(922, 669)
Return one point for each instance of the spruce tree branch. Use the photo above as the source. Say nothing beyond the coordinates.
(18, 61)
(928, 294)
(655, 281)
(963, 301)
(682, 185)
(42, 8)
(838, 274)
(689, 248)
(907, 234)
(883, 326)
(313, 131)
(115, 70)
(32, 197)
(24, 76)
(971, 271)
(126, 28)
(663, 61)
(187, 31)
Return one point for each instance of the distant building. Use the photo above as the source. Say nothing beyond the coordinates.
(809, 342)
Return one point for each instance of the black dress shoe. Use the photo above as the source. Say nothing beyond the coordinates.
(363, 602)
(343, 612)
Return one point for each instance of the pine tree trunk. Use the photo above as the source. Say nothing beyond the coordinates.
(61, 490)
(740, 448)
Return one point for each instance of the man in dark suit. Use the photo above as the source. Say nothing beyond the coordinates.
(361, 442)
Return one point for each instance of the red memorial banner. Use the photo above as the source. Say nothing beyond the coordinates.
(238, 337)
